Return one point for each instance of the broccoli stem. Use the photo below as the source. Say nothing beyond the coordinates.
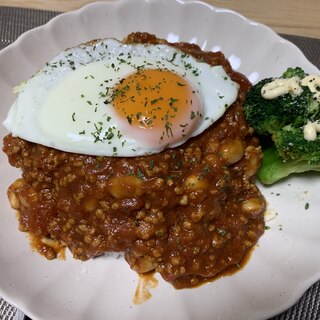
(274, 168)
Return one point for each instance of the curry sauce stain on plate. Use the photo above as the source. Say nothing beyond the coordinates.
(146, 282)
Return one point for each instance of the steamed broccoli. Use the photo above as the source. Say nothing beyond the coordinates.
(283, 119)
(273, 167)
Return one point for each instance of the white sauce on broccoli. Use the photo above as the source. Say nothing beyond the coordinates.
(280, 87)
(310, 130)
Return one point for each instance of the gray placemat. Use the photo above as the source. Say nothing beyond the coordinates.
(14, 21)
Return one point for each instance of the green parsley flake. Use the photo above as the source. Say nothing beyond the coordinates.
(151, 164)
(140, 174)
(129, 120)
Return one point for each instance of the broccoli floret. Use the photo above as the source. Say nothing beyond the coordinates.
(294, 72)
(269, 116)
(291, 144)
(282, 120)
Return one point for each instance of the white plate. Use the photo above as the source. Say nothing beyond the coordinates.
(287, 259)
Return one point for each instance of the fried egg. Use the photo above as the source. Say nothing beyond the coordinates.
(116, 99)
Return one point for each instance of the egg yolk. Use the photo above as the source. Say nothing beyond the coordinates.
(159, 105)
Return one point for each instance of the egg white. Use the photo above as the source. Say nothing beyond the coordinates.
(63, 105)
